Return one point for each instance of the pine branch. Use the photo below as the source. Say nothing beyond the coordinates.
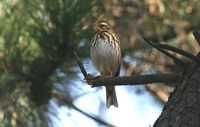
(80, 65)
(176, 60)
(128, 80)
(137, 80)
(71, 105)
(184, 53)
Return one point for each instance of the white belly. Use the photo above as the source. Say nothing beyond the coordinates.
(105, 58)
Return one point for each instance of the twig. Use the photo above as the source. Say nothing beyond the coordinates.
(80, 65)
(184, 53)
(197, 36)
(70, 104)
(176, 60)
(88, 77)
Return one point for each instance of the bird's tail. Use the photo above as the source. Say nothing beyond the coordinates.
(111, 98)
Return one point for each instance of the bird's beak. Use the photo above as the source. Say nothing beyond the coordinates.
(93, 24)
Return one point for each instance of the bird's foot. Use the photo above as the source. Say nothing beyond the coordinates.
(91, 79)
(108, 76)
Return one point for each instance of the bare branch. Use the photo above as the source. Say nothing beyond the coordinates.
(88, 77)
(176, 60)
(137, 80)
(71, 105)
(80, 65)
(128, 80)
(184, 53)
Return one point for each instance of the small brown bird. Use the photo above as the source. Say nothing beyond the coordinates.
(106, 56)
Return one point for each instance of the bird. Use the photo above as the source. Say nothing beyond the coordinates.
(105, 54)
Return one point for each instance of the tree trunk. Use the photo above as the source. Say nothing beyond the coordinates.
(183, 107)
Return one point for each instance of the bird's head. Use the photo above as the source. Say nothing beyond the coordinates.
(101, 26)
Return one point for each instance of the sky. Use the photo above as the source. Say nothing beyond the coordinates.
(137, 106)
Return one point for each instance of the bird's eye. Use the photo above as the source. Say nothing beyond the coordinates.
(101, 26)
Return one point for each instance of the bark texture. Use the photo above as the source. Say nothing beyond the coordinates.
(183, 107)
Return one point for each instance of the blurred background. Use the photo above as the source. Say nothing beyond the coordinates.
(40, 82)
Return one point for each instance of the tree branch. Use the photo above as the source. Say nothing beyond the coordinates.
(137, 80)
(80, 65)
(71, 105)
(176, 60)
(128, 80)
(184, 53)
